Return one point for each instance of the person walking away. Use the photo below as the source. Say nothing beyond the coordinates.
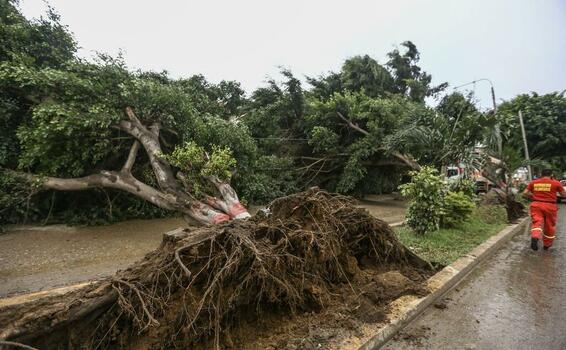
(543, 193)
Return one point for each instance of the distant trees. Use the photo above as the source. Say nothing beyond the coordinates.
(545, 126)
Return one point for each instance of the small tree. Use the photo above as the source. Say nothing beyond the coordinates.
(426, 200)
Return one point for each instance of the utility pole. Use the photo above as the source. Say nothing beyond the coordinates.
(525, 146)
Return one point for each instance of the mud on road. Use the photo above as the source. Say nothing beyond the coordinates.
(40, 258)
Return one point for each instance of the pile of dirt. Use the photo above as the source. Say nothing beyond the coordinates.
(295, 276)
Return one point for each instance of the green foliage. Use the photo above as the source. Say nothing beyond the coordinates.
(544, 118)
(425, 193)
(40, 43)
(363, 73)
(323, 140)
(354, 157)
(225, 99)
(43, 42)
(465, 186)
(444, 136)
(197, 164)
(456, 208)
(401, 75)
(275, 113)
(15, 194)
(220, 164)
(409, 79)
(271, 177)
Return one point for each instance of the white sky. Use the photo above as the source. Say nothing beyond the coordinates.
(519, 44)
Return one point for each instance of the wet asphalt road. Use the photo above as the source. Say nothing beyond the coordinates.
(515, 300)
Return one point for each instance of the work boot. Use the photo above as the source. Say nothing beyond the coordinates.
(534, 243)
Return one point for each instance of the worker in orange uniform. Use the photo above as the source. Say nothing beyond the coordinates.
(542, 192)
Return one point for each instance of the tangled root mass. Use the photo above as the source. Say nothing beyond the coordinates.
(200, 282)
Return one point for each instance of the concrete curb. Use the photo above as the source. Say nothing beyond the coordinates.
(442, 282)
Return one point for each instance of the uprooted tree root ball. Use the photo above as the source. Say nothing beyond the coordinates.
(293, 258)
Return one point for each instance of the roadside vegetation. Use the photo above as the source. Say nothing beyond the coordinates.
(447, 220)
(443, 246)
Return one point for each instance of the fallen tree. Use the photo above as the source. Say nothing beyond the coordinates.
(199, 285)
(98, 125)
(173, 192)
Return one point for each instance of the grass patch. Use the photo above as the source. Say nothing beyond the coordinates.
(444, 246)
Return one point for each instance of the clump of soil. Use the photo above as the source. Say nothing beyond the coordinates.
(297, 276)
(414, 336)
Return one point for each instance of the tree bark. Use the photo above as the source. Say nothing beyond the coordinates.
(150, 142)
(107, 179)
(233, 207)
(131, 157)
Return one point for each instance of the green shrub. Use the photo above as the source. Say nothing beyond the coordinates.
(466, 186)
(425, 192)
(456, 208)
(491, 214)
(16, 202)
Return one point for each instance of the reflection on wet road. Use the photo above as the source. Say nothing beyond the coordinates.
(515, 300)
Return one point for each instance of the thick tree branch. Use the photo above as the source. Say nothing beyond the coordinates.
(132, 116)
(107, 179)
(131, 157)
(403, 158)
(180, 201)
(149, 139)
(352, 125)
(231, 206)
(406, 160)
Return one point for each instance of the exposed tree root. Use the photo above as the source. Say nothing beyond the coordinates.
(200, 283)
(514, 208)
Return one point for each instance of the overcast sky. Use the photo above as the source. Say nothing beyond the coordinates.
(519, 44)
